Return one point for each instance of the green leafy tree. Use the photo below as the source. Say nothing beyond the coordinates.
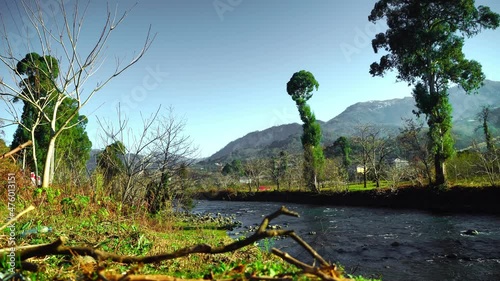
(73, 146)
(437, 110)
(424, 43)
(234, 168)
(110, 161)
(345, 148)
(300, 88)
(483, 117)
(39, 73)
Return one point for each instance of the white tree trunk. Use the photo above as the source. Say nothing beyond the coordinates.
(47, 177)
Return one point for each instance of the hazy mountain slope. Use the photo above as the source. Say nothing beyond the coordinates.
(386, 114)
(467, 106)
(257, 140)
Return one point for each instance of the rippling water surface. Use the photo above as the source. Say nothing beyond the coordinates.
(391, 244)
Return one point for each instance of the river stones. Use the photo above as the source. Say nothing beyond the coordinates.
(452, 256)
(470, 232)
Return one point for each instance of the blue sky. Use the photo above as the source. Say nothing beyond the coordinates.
(223, 65)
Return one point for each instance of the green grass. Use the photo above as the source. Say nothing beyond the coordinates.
(110, 227)
(369, 186)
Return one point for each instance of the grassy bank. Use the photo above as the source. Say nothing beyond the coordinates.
(108, 226)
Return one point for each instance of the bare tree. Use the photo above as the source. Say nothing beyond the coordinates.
(223, 181)
(293, 175)
(382, 148)
(277, 167)
(49, 33)
(375, 148)
(254, 170)
(151, 156)
(136, 151)
(335, 174)
(173, 152)
(16, 119)
(415, 145)
(361, 140)
(487, 162)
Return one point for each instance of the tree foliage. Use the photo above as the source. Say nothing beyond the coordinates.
(437, 109)
(301, 85)
(73, 146)
(424, 44)
(234, 168)
(41, 72)
(484, 116)
(345, 148)
(300, 88)
(110, 160)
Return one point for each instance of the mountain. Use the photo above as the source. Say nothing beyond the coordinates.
(387, 114)
(252, 143)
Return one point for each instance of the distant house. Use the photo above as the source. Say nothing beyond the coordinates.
(245, 180)
(360, 169)
(400, 163)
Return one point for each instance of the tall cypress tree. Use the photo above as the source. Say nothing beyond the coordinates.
(300, 88)
(73, 147)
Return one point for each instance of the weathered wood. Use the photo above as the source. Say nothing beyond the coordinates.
(17, 149)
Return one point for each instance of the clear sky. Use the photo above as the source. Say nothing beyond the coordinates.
(223, 65)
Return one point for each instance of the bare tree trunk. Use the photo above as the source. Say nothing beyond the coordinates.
(364, 176)
(428, 171)
(439, 166)
(46, 181)
(316, 185)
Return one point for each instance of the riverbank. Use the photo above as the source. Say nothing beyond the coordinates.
(455, 199)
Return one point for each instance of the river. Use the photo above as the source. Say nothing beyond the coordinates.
(394, 245)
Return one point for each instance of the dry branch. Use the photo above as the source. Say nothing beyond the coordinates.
(327, 271)
(15, 150)
(29, 209)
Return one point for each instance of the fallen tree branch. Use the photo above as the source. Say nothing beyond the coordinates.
(308, 248)
(15, 150)
(328, 272)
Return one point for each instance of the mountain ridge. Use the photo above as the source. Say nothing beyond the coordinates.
(387, 114)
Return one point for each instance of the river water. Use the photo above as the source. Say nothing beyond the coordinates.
(394, 245)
